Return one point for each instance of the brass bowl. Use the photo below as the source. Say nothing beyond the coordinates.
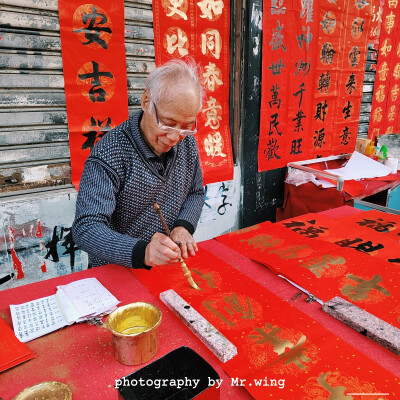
(135, 332)
(51, 390)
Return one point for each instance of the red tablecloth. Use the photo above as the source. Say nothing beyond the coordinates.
(82, 355)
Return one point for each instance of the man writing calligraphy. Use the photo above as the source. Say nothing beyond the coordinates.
(151, 157)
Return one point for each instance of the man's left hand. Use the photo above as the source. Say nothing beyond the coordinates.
(188, 244)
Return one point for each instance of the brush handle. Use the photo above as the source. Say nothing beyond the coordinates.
(164, 223)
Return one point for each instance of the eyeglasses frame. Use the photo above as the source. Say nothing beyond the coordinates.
(170, 129)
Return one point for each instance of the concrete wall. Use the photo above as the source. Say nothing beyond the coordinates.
(36, 242)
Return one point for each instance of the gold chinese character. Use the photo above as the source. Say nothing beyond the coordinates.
(212, 111)
(389, 22)
(394, 92)
(363, 287)
(377, 117)
(396, 71)
(393, 3)
(386, 48)
(337, 392)
(175, 10)
(289, 252)
(389, 130)
(319, 264)
(213, 145)
(391, 114)
(207, 277)
(212, 77)
(380, 94)
(261, 241)
(295, 354)
(269, 334)
(211, 43)
(177, 42)
(376, 132)
(383, 71)
(210, 7)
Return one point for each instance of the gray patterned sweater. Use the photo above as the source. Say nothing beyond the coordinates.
(122, 178)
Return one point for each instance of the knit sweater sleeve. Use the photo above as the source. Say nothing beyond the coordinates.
(191, 209)
(95, 204)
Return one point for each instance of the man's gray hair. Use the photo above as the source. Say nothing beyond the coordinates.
(173, 72)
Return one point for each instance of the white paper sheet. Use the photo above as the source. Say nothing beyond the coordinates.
(360, 166)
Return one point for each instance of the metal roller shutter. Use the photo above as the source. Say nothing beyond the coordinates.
(34, 151)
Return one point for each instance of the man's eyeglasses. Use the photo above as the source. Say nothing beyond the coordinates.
(170, 129)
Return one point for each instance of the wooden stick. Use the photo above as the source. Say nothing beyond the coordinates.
(185, 269)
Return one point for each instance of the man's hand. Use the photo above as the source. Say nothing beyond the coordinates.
(188, 245)
(161, 251)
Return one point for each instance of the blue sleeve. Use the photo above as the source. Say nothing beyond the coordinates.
(94, 207)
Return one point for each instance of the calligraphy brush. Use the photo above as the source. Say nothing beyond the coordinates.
(185, 269)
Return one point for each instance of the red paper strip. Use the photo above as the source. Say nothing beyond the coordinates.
(386, 97)
(349, 235)
(201, 29)
(274, 340)
(93, 54)
(13, 352)
(312, 80)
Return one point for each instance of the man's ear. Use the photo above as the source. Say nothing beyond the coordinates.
(145, 101)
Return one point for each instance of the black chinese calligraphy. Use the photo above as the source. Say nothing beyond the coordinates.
(64, 240)
(101, 82)
(97, 129)
(96, 26)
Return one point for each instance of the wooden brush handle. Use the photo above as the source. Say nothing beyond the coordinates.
(158, 210)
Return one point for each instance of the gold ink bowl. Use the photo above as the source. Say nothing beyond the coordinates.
(135, 332)
(51, 390)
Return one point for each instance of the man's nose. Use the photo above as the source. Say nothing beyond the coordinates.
(174, 136)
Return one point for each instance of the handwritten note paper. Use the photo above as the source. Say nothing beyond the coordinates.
(78, 301)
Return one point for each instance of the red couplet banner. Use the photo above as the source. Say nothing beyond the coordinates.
(200, 29)
(384, 117)
(312, 78)
(93, 54)
(274, 339)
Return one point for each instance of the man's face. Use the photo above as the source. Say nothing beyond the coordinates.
(177, 110)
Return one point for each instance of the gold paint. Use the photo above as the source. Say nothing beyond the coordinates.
(234, 307)
(262, 242)
(337, 392)
(361, 290)
(207, 277)
(319, 264)
(233, 301)
(135, 332)
(271, 337)
(295, 354)
(244, 230)
(208, 306)
(50, 390)
(289, 252)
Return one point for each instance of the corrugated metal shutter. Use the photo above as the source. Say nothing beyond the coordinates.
(368, 89)
(34, 151)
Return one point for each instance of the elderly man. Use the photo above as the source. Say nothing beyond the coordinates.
(151, 157)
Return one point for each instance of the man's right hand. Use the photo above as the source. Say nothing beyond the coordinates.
(161, 251)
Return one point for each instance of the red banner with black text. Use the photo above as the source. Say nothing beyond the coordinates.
(201, 29)
(94, 66)
(312, 78)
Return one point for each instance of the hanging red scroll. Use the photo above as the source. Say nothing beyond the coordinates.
(201, 29)
(386, 97)
(312, 78)
(93, 54)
